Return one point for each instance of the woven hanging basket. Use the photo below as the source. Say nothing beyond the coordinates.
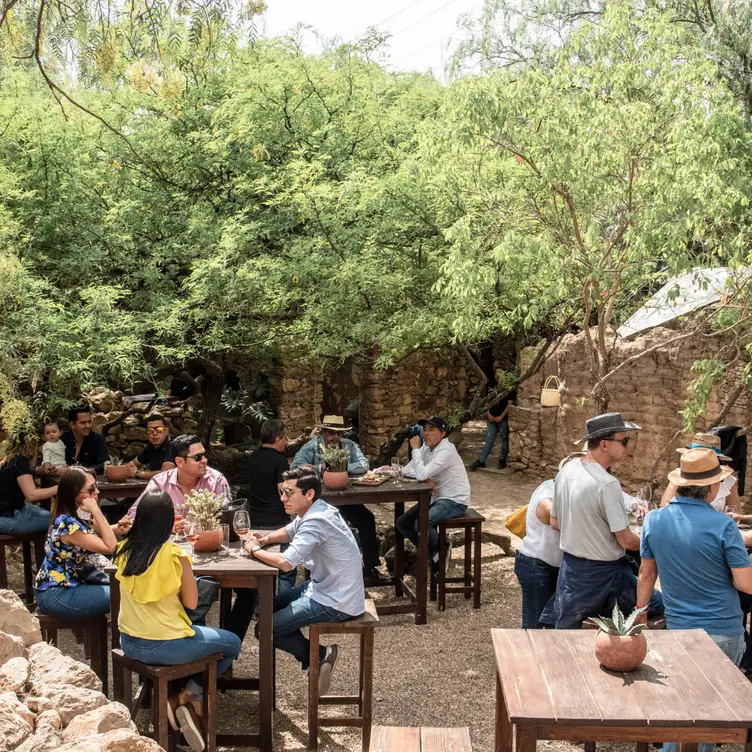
(550, 397)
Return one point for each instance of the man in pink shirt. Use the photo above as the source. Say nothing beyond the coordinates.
(191, 473)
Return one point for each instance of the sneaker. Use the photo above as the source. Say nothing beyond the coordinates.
(191, 727)
(476, 465)
(448, 559)
(326, 666)
(502, 464)
(373, 578)
(173, 703)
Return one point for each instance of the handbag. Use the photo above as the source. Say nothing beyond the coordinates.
(208, 591)
(516, 522)
(550, 397)
(92, 570)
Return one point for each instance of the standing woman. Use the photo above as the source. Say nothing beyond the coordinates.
(78, 528)
(156, 586)
(17, 488)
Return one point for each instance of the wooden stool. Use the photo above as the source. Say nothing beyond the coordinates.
(363, 626)
(92, 632)
(123, 669)
(471, 522)
(396, 739)
(24, 540)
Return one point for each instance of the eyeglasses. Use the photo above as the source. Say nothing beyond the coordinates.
(287, 492)
(158, 429)
(197, 457)
(91, 489)
(624, 442)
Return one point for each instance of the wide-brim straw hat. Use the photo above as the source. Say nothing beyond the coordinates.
(706, 441)
(699, 467)
(605, 425)
(334, 423)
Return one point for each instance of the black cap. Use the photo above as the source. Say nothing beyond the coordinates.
(435, 420)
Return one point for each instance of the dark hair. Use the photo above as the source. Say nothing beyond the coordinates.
(152, 527)
(50, 422)
(71, 483)
(694, 492)
(181, 444)
(593, 444)
(271, 430)
(306, 478)
(74, 411)
(155, 417)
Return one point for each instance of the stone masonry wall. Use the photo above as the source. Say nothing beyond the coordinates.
(650, 392)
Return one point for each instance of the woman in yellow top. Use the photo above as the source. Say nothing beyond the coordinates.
(156, 585)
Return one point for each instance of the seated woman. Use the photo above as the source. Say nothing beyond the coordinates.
(157, 584)
(17, 488)
(78, 528)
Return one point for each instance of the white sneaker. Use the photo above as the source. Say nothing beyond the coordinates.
(326, 667)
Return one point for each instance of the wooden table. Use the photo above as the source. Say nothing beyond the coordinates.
(389, 493)
(549, 685)
(235, 570)
(128, 489)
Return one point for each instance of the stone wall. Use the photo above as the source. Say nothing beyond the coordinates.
(650, 392)
(297, 392)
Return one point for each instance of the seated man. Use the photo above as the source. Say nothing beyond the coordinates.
(358, 516)
(319, 539)
(159, 455)
(437, 461)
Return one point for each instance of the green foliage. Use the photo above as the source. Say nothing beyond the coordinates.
(335, 459)
(618, 625)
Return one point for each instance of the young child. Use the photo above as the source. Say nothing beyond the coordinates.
(53, 449)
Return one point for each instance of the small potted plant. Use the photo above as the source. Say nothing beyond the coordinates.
(335, 468)
(203, 509)
(620, 644)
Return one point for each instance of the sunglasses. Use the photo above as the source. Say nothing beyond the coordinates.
(197, 457)
(90, 490)
(287, 492)
(158, 429)
(624, 442)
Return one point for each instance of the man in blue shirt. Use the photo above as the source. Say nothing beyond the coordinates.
(700, 557)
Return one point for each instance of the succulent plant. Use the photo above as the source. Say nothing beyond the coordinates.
(618, 625)
(335, 459)
(204, 508)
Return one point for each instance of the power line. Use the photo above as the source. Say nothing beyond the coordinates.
(417, 52)
(388, 18)
(428, 15)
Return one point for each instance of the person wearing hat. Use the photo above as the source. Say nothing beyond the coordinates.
(700, 558)
(589, 511)
(435, 459)
(728, 493)
(359, 516)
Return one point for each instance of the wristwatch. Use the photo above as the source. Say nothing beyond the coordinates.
(255, 547)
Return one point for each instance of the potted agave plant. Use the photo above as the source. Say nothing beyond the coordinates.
(620, 644)
(203, 509)
(335, 468)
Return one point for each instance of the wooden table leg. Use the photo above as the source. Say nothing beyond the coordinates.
(526, 739)
(503, 724)
(266, 662)
(422, 573)
(589, 746)
(114, 611)
(687, 747)
(399, 551)
(642, 747)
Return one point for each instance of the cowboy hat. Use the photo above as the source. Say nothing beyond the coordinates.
(706, 441)
(699, 467)
(605, 425)
(333, 423)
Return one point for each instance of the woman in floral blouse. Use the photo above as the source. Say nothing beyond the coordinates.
(78, 528)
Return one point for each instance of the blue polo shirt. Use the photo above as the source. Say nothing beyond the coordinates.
(695, 548)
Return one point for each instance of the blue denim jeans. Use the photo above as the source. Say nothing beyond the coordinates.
(492, 431)
(538, 583)
(29, 519)
(441, 509)
(293, 610)
(78, 602)
(733, 646)
(205, 641)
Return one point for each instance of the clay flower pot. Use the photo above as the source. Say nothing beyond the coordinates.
(335, 481)
(117, 473)
(620, 653)
(208, 541)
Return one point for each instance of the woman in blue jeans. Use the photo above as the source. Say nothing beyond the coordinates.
(78, 528)
(157, 585)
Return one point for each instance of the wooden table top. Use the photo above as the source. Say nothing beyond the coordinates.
(383, 493)
(130, 485)
(552, 676)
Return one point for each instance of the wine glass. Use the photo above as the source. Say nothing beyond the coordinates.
(397, 470)
(177, 518)
(241, 523)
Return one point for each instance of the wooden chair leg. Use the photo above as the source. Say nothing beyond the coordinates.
(28, 574)
(366, 690)
(477, 554)
(225, 607)
(313, 689)
(468, 573)
(3, 569)
(118, 685)
(161, 724)
(399, 551)
(98, 650)
(210, 706)
(441, 574)
(361, 677)
(433, 584)
(39, 552)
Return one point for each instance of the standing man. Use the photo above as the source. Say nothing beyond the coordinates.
(436, 461)
(358, 516)
(159, 455)
(83, 446)
(589, 510)
(699, 555)
(497, 424)
(320, 539)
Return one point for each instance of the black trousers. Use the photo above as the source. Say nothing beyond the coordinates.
(361, 518)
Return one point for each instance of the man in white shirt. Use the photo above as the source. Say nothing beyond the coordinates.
(436, 461)
(321, 540)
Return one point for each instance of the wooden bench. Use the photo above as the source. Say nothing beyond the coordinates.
(472, 523)
(396, 739)
(362, 626)
(24, 540)
(92, 632)
(123, 669)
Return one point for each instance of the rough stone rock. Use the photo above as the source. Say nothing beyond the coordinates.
(100, 721)
(119, 740)
(68, 700)
(10, 647)
(15, 619)
(49, 666)
(50, 718)
(14, 729)
(11, 700)
(14, 674)
(44, 740)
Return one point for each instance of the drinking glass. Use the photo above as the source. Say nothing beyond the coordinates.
(225, 539)
(397, 470)
(192, 532)
(177, 518)
(241, 523)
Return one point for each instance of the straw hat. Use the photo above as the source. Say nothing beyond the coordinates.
(333, 423)
(699, 467)
(706, 441)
